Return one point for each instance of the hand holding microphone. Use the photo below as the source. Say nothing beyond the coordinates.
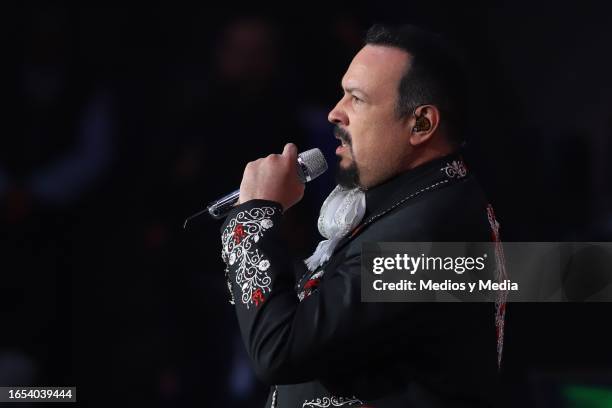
(274, 178)
(278, 177)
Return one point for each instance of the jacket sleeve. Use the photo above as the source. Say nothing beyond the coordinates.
(287, 340)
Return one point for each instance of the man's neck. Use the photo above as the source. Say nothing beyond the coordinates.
(427, 154)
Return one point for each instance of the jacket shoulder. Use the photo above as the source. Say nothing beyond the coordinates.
(457, 212)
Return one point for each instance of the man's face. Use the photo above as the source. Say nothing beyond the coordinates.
(374, 140)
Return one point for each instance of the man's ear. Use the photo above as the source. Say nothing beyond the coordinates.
(423, 124)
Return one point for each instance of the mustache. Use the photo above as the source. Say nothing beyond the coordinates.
(342, 135)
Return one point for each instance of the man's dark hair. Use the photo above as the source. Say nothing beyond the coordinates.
(435, 76)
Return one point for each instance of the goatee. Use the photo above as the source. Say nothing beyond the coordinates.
(347, 177)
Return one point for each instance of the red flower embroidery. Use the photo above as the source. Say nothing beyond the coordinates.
(258, 297)
(311, 284)
(238, 233)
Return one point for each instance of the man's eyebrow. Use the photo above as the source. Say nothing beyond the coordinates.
(352, 89)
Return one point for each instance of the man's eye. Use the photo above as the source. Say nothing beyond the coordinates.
(356, 99)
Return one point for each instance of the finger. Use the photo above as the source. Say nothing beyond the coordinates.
(290, 151)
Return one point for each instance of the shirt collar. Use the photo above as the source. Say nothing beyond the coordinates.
(401, 184)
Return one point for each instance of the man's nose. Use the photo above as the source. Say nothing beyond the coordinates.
(337, 116)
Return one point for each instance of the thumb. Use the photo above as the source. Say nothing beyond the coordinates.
(290, 151)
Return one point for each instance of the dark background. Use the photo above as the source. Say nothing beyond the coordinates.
(122, 121)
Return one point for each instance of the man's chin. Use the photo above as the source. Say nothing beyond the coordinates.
(347, 175)
(344, 165)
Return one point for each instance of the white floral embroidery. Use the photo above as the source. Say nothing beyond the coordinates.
(456, 168)
(331, 402)
(229, 287)
(318, 275)
(238, 237)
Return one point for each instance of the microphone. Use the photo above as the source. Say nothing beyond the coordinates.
(310, 165)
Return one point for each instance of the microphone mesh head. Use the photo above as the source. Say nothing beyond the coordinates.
(314, 161)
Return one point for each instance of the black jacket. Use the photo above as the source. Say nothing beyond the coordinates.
(312, 339)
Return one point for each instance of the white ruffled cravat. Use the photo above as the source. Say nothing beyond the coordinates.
(341, 211)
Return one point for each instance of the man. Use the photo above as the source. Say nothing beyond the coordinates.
(307, 332)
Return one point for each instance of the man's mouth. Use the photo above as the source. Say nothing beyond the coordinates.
(341, 135)
(344, 146)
